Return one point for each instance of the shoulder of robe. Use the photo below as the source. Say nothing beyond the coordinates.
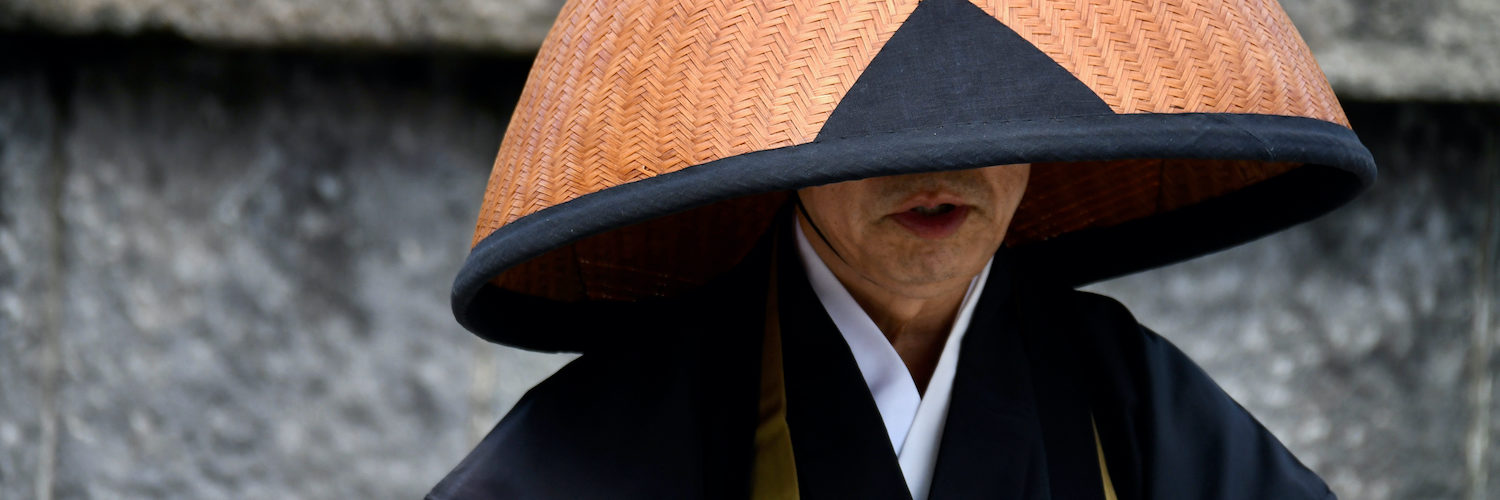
(1168, 430)
(601, 427)
(625, 419)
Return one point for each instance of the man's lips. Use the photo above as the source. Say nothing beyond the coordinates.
(932, 221)
(929, 200)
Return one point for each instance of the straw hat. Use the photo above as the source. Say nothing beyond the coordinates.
(655, 138)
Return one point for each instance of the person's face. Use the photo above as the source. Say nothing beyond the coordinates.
(917, 233)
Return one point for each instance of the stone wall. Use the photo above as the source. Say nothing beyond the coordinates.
(1399, 49)
(506, 25)
(1371, 49)
(224, 274)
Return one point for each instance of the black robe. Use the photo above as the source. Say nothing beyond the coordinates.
(663, 404)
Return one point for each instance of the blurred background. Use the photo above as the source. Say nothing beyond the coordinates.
(228, 230)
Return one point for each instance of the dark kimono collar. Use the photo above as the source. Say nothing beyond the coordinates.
(994, 442)
(677, 419)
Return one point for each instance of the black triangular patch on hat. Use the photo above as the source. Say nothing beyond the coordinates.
(953, 63)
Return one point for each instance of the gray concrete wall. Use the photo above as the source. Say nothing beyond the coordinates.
(505, 25)
(1371, 49)
(1401, 49)
(224, 274)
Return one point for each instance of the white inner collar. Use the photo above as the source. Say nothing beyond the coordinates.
(913, 423)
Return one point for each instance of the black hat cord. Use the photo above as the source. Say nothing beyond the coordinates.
(814, 224)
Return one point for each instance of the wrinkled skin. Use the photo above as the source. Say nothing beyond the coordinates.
(911, 281)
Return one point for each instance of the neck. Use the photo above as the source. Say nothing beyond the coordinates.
(915, 319)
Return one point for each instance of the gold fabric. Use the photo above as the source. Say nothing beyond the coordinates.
(775, 474)
(1109, 487)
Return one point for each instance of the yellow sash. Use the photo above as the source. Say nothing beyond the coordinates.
(1109, 486)
(775, 473)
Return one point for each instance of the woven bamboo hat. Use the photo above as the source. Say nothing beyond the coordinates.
(655, 138)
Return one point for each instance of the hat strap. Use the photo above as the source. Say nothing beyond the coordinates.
(810, 222)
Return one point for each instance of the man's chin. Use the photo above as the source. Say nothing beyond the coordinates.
(933, 274)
